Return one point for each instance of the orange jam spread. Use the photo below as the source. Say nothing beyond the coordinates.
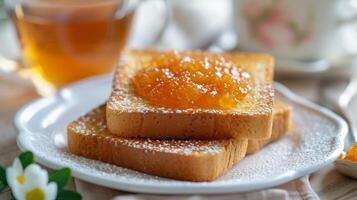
(351, 154)
(192, 80)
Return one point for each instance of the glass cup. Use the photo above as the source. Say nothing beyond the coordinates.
(67, 40)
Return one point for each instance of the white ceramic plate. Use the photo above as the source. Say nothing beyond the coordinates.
(317, 141)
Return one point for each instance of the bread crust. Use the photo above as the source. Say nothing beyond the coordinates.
(149, 156)
(281, 126)
(131, 116)
(89, 137)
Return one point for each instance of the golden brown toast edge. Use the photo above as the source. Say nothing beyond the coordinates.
(282, 121)
(105, 147)
(187, 124)
(135, 153)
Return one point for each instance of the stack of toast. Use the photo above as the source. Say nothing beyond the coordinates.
(185, 144)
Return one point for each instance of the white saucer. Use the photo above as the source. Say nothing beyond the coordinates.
(317, 141)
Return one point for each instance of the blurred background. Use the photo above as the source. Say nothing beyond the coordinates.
(50, 44)
(57, 42)
(46, 45)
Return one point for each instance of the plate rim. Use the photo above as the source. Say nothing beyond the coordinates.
(179, 189)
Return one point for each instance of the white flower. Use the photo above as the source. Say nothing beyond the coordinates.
(15, 174)
(31, 183)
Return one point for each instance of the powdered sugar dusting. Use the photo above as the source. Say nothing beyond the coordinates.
(125, 101)
(95, 123)
(123, 97)
(315, 140)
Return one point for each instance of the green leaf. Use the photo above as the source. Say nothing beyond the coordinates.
(2, 186)
(26, 158)
(3, 182)
(68, 195)
(60, 177)
(3, 175)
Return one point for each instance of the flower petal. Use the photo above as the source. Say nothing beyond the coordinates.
(18, 192)
(18, 166)
(11, 176)
(51, 191)
(13, 172)
(35, 177)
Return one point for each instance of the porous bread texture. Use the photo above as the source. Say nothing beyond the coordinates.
(131, 116)
(192, 160)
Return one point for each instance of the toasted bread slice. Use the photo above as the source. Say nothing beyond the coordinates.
(131, 116)
(193, 160)
(281, 126)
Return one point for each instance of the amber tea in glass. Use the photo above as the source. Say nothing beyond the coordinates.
(67, 40)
